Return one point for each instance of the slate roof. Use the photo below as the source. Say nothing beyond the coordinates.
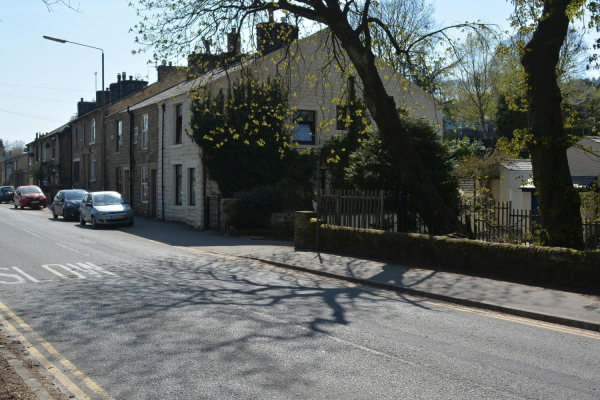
(518, 165)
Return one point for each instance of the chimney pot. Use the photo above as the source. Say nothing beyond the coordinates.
(130, 77)
(207, 46)
(124, 75)
(164, 62)
(82, 99)
(118, 77)
(170, 63)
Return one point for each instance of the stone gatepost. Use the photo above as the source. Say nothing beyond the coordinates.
(302, 236)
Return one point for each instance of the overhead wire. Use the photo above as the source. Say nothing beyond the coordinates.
(36, 98)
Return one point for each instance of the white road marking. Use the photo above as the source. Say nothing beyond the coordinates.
(31, 278)
(13, 276)
(47, 266)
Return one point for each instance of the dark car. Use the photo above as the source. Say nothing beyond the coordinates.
(67, 202)
(29, 196)
(6, 193)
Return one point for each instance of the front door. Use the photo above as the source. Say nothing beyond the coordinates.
(119, 179)
(153, 193)
(125, 193)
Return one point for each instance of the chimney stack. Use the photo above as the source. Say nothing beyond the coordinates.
(118, 77)
(233, 42)
(124, 76)
(130, 77)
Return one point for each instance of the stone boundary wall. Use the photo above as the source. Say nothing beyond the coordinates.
(547, 266)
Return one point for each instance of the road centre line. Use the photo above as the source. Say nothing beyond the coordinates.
(42, 237)
(50, 367)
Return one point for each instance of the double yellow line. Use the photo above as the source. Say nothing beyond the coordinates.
(47, 364)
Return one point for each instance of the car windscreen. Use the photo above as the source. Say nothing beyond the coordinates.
(7, 189)
(75, 194)
(108, 199)
(30, 190)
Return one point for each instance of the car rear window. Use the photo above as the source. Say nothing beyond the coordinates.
(75, 194)
(29, 190)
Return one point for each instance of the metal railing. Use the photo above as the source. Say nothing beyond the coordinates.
(489, 221)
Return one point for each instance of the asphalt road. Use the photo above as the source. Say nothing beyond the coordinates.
(120, 314)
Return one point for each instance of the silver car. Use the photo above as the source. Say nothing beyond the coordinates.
(105, 208)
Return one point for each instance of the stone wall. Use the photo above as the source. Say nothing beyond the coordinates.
(552, 267)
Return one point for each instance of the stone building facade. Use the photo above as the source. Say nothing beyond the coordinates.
(51, 153)
(94, 160)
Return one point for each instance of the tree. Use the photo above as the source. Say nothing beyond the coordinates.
(67, 3)
(15, 147)
(559, 203)
(241, 144)
(175, 27)
(476, 76)
(372, 167)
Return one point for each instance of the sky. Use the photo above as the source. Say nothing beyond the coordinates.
(41, 81)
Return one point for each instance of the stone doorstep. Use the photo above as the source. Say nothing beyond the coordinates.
(34, 385)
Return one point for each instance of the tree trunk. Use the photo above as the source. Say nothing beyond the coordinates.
(438, 217)
(558, 200)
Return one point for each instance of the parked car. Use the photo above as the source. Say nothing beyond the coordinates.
(105, 208)
(6, 193)
(29, 196)
(67, 203)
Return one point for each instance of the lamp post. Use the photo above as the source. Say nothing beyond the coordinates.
(103, 103)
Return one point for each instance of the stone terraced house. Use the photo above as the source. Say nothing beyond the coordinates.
(168, 179)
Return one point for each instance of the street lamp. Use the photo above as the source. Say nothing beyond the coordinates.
(103, 103)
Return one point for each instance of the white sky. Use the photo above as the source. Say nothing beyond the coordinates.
(41, 81)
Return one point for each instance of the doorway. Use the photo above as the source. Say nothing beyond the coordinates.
(153, 193)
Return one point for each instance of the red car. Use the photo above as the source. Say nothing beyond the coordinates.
(29, 196)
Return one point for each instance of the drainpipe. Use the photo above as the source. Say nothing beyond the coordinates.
(131, 157)
(162, 163)
(71, 162)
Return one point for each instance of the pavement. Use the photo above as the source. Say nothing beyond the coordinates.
(554, 306)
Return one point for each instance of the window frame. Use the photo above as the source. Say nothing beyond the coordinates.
(192, 187)
(93, 132)
(145, 124)
(311, 124)
(119, 135)
(178, 175)
(178, 124)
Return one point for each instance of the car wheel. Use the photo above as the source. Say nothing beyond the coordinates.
(64, 215)
(130, 223)
(81, 220)
(94, 223)
(21, 206)
(54, 215)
